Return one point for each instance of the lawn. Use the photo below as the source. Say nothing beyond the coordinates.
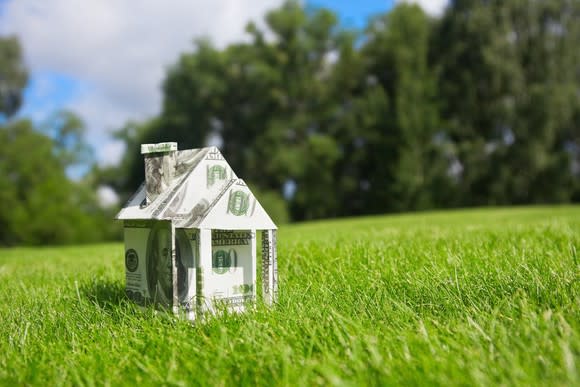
(471, 297)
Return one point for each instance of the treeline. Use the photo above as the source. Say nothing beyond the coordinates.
(479, 107)
(39, 203)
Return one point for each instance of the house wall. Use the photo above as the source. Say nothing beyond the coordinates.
(148, 269)
(232, 277)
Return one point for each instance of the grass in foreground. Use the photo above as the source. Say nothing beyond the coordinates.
(466, 297)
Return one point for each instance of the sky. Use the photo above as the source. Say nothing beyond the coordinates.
(105, 60)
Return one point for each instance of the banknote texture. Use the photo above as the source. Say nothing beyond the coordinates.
(190, 234)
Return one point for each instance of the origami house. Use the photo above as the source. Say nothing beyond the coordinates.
(190, 234)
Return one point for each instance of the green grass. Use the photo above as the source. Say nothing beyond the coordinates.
(478, 297)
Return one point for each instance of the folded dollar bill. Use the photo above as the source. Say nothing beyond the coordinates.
(190, 234)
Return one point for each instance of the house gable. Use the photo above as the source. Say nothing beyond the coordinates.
(205, 193)
(236, 208)
(199, 189)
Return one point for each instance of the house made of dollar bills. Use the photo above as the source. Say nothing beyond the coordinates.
(191, 232)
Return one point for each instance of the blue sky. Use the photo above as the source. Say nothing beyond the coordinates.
(101, 60)
(354, 13)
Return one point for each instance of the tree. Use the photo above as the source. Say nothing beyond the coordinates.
(266, 102)
(13, 76)
(40, 205)
(399, 112)
(509, 80)
(67, 130)
(480, 107)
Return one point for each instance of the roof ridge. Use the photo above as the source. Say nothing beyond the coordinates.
(168, 195)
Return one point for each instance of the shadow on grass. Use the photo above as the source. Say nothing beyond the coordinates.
(105, 293)
(110, 297)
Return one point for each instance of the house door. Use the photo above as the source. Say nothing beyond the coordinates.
(185, 251)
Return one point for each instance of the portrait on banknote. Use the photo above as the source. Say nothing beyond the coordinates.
(159, 266)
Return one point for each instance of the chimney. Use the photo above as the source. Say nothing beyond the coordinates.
(159, 167)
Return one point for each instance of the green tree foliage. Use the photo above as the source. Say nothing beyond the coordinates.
(68, 133)
(478, 107)
(509, 80)
(13, 76)
(40, 205)
(406, 162)
(266, 100)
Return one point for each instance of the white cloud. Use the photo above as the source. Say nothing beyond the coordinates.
(118, 50)
(106, 196)
(432, 7)
(111, 152)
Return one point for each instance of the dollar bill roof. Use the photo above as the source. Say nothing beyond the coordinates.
(204, 193)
